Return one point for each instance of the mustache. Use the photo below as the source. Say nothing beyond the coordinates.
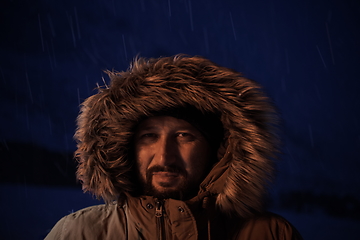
(171, 169)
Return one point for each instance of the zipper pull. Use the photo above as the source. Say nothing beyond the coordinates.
(158, 209)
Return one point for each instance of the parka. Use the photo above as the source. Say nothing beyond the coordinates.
(229, 203)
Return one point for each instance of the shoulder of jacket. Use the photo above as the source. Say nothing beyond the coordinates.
(269, 226)
(86, 221)
(268, 219)
(93, 214)
(92, 210)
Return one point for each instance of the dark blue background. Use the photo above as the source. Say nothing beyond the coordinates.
(305, 53)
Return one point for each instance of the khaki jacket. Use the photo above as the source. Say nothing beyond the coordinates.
(145, 218)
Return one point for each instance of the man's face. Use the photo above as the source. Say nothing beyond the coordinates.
(171, 157)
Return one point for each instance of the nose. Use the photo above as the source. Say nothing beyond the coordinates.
(165, 152)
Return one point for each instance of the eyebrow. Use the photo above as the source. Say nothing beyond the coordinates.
(147, 128)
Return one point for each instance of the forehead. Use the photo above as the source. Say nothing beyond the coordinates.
(166, 122)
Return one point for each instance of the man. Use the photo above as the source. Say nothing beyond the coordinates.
(178, 148)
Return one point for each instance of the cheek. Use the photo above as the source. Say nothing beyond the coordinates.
(196, 160)
(142, 159)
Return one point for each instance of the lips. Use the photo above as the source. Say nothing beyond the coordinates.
(166, 174)
(168, 178)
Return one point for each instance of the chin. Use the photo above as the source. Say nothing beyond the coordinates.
(165, 194)
(163, 190)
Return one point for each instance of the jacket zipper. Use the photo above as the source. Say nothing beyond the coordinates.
(160, 220)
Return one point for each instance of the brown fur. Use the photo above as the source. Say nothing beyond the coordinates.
(107, 120)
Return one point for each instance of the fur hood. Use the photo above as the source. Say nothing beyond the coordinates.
(107, 120)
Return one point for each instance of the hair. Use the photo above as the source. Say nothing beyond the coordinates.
(105, 125)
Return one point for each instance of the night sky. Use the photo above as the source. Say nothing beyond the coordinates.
(305, 53)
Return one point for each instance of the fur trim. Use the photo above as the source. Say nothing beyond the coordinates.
(107, 120)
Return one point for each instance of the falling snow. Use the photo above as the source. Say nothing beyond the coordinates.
(305, 54)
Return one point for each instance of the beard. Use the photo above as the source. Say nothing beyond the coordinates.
(184, 189)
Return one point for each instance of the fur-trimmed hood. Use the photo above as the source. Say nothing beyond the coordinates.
(107, 120)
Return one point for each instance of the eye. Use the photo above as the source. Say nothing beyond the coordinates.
(146, 138)
(148, 135)
(185, 136)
